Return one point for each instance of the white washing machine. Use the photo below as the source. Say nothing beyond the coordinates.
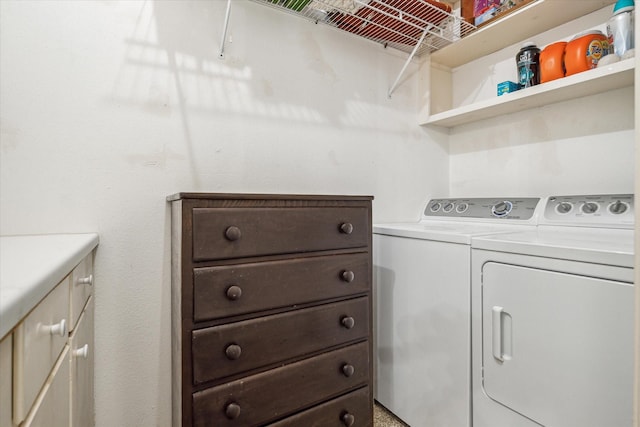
(422, 279)
(552, 318)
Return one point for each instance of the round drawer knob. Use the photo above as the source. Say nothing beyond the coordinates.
(59, 328)
(347, 276)
(348, 419)
(232, 233)
(232, 411)
(346, 228)
(348, 370)
(348, 322)
(233, 351)
(82, 352)
(86, 280)
(234, 292)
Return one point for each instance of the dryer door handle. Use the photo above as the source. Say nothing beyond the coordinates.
(496, 332)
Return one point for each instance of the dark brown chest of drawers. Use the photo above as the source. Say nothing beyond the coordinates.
(271, 310)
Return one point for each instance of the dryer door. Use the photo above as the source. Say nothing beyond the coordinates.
(557, 347)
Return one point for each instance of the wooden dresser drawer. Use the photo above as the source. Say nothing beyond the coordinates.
(222, 233)
(224, 350)
(237, 289)
(274, 394)
(353, 409)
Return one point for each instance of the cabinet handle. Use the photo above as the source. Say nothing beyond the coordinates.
(348, 419)
(86, 280)
(348, 322)
(233, 351)
(58, 328)
(347, 276)
(234, 292)
(348, 370)
(82, 351)
(346, 228)
(232, 233)
(232, 411)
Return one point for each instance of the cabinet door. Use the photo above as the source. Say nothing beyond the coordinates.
(81, 361)
(81, 288)
(51, 408)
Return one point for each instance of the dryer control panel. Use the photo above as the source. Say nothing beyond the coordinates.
(483, 208)
(591, 210)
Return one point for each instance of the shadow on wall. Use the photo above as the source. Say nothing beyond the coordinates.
(174, 48)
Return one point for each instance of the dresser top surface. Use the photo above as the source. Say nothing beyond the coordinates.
(255, 196)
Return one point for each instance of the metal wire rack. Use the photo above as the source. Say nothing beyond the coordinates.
(412, 26)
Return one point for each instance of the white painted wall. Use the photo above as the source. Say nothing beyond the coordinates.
(575, 147)
(107, 107)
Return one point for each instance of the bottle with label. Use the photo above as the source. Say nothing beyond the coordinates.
(528, 63)
(620, 28)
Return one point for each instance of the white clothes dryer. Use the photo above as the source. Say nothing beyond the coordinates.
(422, 279)
(552, 318)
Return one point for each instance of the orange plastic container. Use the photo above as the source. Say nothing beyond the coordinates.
(552, 62)
(584, 51)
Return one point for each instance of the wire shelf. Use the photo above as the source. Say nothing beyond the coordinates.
(399, 24)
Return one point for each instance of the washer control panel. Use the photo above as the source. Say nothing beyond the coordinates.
(486, 208)
(593, 209)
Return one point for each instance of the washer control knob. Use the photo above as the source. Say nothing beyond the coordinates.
(448, 207)
(502, 209)
(435, 207)
(590, 207)
(462, 207)
(564, 208)
(618, 207)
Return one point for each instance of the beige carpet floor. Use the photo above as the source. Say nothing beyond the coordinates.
(383, 418)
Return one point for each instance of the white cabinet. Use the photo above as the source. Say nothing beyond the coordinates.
(443, 109)
(46, 359)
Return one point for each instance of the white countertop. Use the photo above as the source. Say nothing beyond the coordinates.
(31, 266)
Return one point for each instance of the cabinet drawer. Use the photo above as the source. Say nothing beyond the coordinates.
(81, 289)
(353, 409)
(230, 290)
(274, 394)
(38, 341)
(51, 409)
(236, 232)
(82, 359)
(228, 349)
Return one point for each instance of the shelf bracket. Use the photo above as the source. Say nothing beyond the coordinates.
(406, 64)
(224, 30)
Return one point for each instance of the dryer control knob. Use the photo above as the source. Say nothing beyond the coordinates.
(502, 209)
(564, 208)
(435, 207)
(618, 207)
(447, 207)
(590, 207)
(462, 207)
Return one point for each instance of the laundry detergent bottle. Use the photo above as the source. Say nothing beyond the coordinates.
(620, 29)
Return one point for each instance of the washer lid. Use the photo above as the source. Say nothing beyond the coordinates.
(451, 232)
(594, 245)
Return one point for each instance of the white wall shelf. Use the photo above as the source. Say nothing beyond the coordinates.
(599, 80)
(515, 27)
